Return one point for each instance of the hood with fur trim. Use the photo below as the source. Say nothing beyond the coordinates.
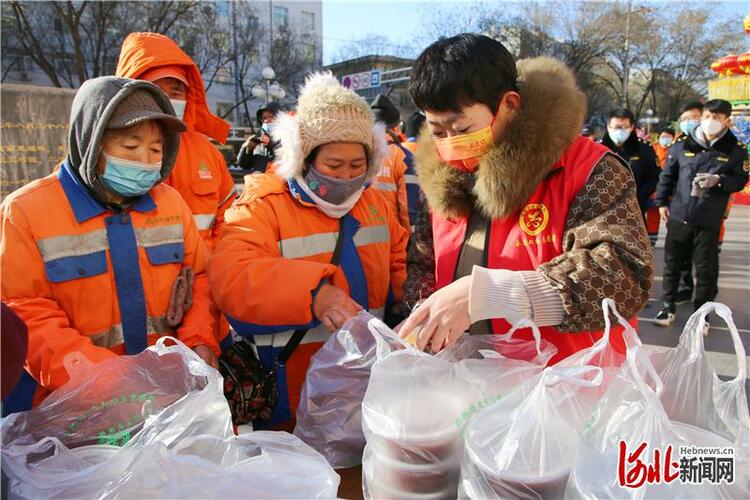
(327, 113)
(552, 112)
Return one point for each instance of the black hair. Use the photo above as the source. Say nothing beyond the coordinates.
(460, 71)
(666, 129)
(692, 105)
(718, 106)
(413, 124)
(621, 113)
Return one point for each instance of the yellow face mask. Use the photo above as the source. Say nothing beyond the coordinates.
(464, 151)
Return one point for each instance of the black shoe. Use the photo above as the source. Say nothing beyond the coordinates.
(665, 317)
(684, 296)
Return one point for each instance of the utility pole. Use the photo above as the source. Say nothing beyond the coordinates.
(626, 62)
(236, 68)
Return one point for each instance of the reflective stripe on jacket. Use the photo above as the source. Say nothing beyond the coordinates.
(86, 279)
(276, 252)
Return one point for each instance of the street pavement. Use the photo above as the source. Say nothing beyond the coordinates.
(734, 291)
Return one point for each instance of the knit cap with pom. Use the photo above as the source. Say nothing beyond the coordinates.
(326, 113)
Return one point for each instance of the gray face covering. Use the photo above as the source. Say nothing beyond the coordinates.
(331, 189)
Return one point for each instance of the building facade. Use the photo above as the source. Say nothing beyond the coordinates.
(276, 20)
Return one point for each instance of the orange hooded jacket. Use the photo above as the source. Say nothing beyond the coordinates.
(200, 174)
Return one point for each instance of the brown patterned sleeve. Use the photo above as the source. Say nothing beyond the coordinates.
(420, 260)
(606, 250)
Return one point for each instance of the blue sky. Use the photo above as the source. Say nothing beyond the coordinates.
(399, 20)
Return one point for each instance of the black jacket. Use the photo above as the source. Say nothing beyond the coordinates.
(727, 158)
(641, 158)
(257, 158)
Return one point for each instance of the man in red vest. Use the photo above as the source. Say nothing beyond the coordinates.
(528, 219)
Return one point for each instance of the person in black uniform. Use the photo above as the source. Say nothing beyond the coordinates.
(259, 150)
(622, 139)
(701, 171)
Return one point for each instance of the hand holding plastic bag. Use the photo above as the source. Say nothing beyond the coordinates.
(417, 405)
(329, 415)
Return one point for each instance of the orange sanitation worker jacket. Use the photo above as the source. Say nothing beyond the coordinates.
(391, 181)
(275, 254)
(85, 279)
(200, 173)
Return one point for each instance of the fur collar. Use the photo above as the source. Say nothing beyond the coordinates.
(552, 112)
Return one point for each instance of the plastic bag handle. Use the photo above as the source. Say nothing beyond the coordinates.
(693, 335)
(526, 323)
(380, 331)
(573, 375)
(609, 306)
(633, 355)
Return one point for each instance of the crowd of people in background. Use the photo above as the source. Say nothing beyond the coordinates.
(489, 205)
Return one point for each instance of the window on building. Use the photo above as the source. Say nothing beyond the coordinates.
(58, 24)
(252, 23)
(280, 17)
(224, 74)
(223, 110)
(308, 52)
(308, 22)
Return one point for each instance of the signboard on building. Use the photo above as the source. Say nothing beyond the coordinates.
(363, 80)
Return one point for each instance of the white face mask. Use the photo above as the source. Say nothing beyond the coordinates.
(711, 127)
(179, 107)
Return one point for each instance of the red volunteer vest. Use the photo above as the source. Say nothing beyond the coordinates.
(530, 238)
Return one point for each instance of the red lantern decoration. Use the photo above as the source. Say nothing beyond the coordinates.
(727, 66)
(743, 62)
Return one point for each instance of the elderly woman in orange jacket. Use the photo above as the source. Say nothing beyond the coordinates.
(101, 257)
(308, 247)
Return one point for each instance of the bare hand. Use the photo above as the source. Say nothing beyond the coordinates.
(207, 355)
(664, 213)
(333, 307)
(443, 317)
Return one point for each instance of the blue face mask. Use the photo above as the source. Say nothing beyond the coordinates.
(130, 178)
(179, 107)
(665, 141)
(687, 126)
(618, 135)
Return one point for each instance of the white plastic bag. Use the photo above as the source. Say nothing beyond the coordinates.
(417, 405)
(693, 393)
(523, 446)
(260, 464)
(329, 415)
(83, 434)
(630, 423)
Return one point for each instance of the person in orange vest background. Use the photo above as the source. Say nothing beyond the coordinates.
(101, 257)
(391, 178)
(661, 148)
(529, 220)
(306, 248)
(200, 174)
(411, 128)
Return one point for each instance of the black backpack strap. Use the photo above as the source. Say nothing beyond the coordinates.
(298, 335)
